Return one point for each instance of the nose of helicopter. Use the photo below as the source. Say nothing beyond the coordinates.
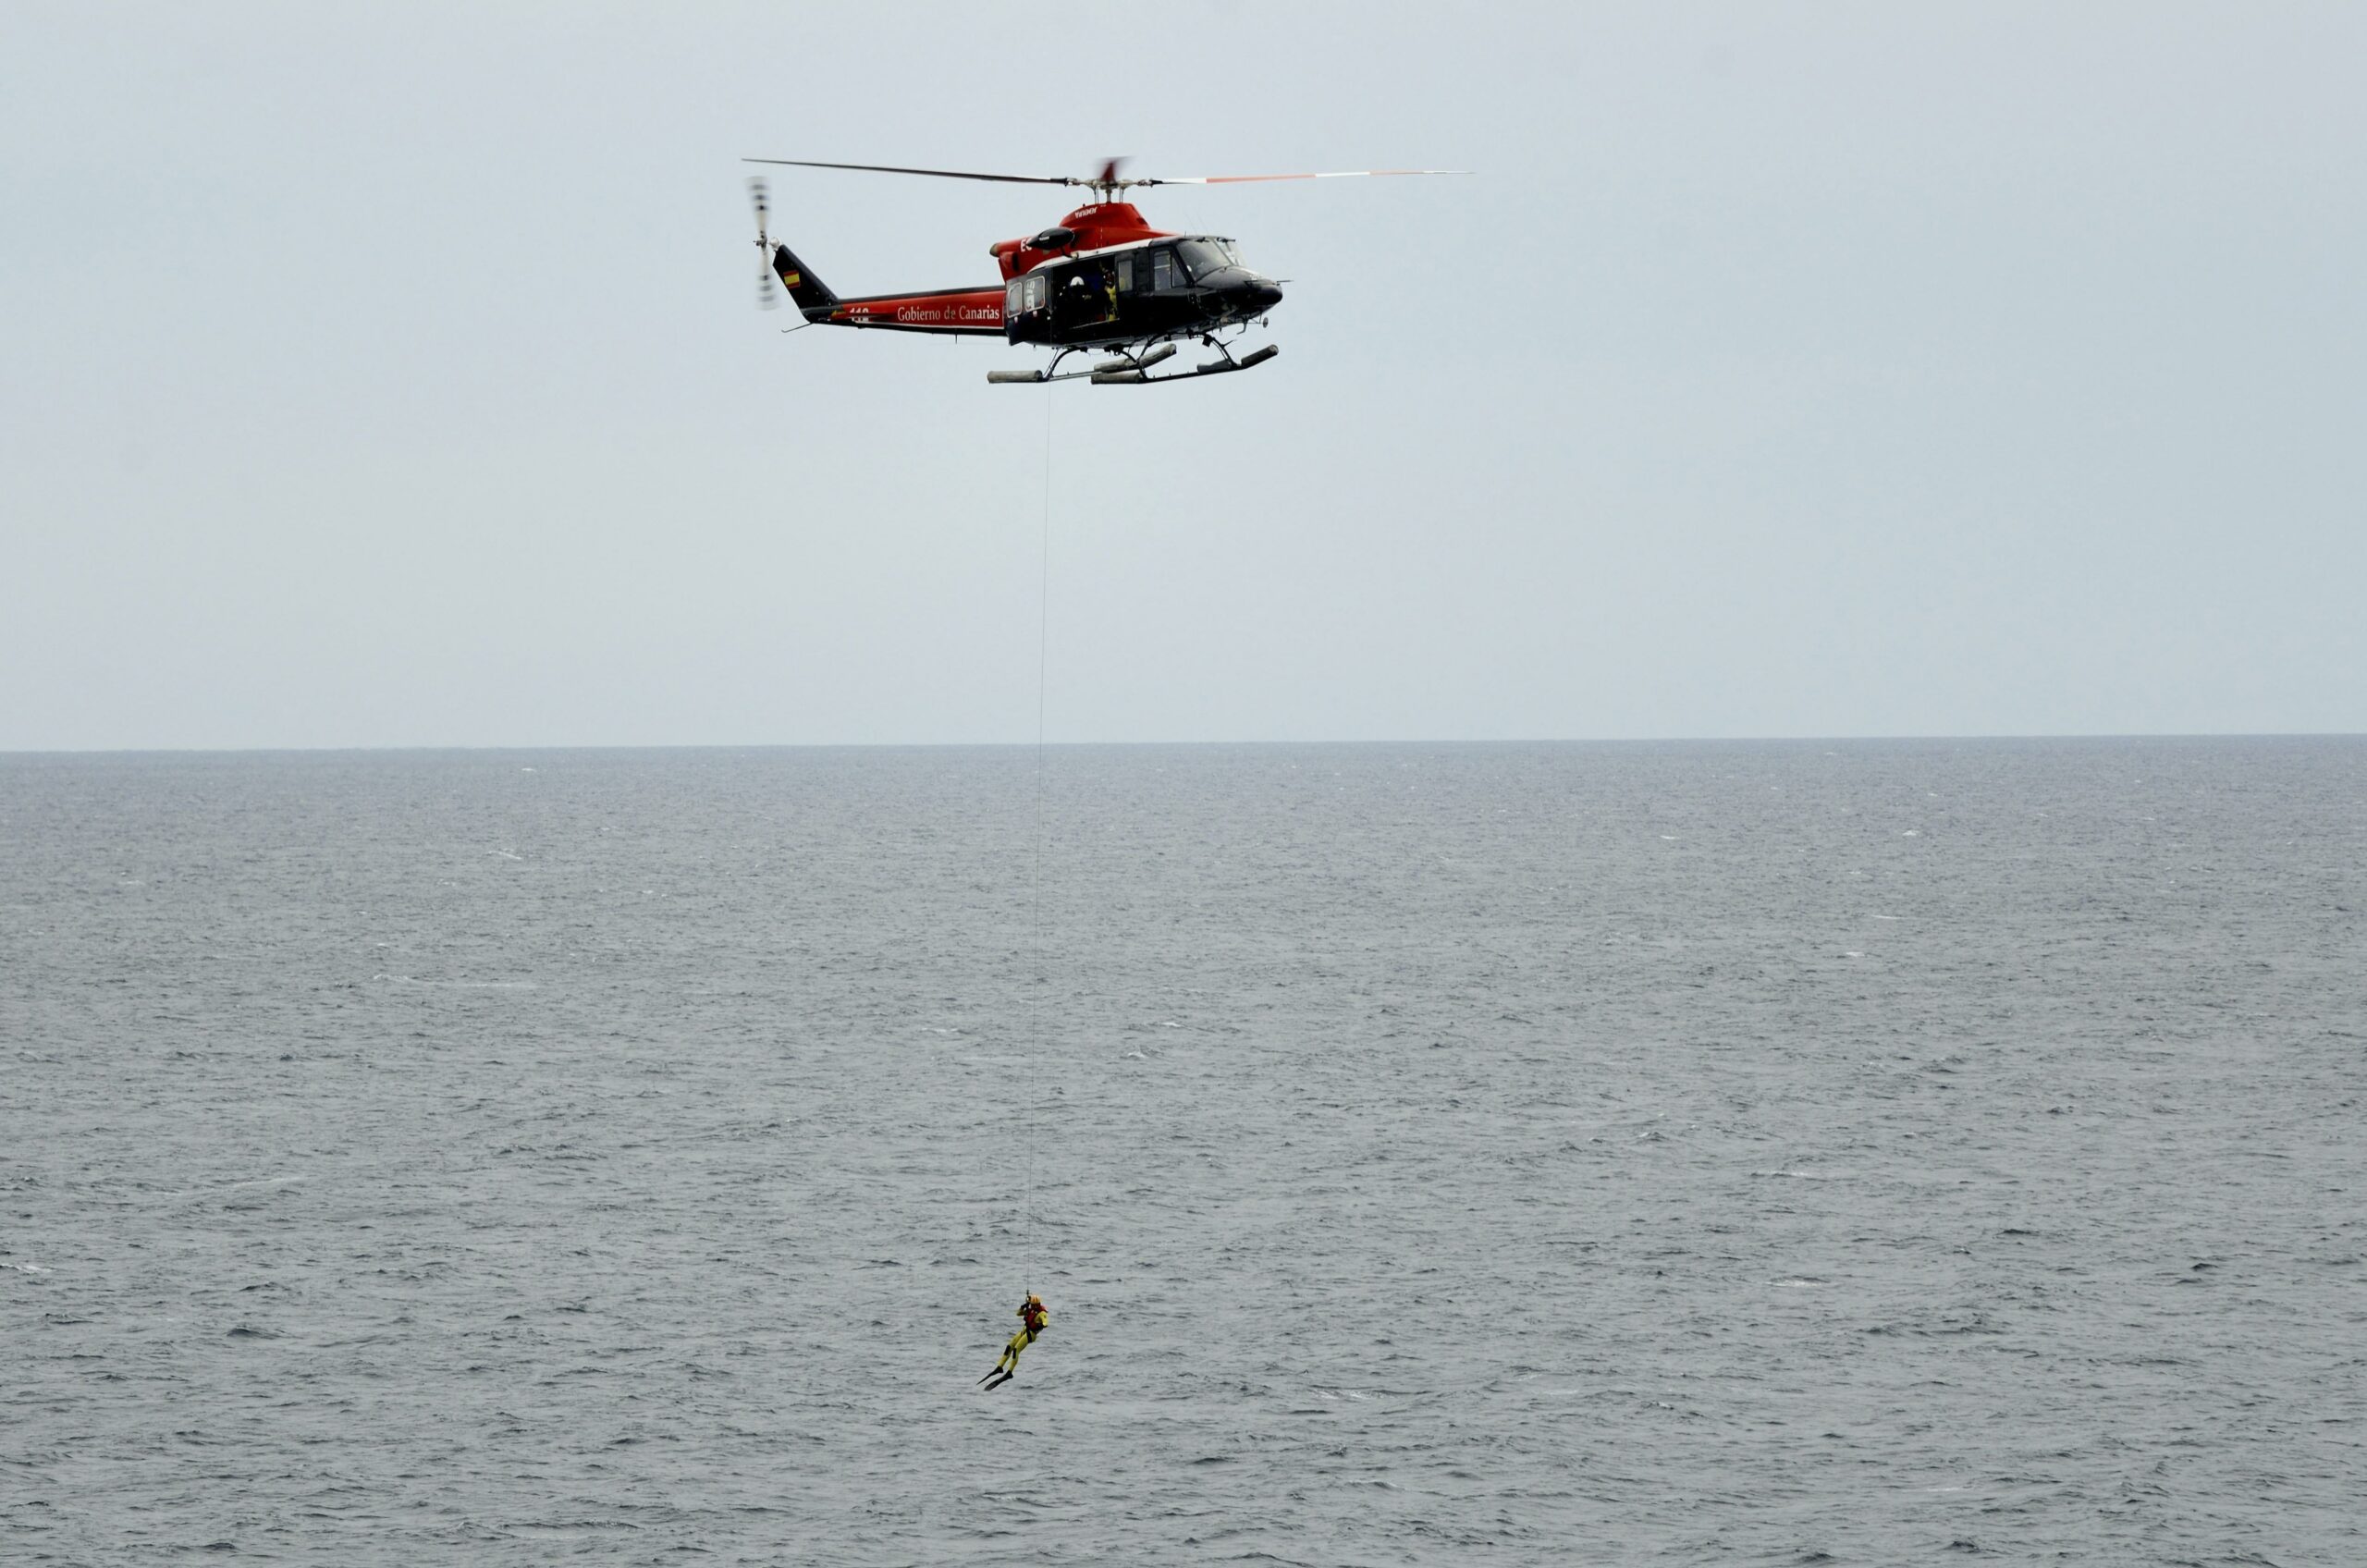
(1260, 295)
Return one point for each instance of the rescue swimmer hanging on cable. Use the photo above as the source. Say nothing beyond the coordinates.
(1100, 279)
(1032, 1318)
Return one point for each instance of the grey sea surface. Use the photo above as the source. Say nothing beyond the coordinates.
(1767, 1153)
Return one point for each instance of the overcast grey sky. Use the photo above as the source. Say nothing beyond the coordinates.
(390, 375)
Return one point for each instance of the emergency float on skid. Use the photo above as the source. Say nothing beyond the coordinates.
(1101, 281)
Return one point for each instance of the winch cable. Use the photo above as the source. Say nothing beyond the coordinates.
(1035, 896)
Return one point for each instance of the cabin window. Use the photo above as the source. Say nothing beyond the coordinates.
(1015, 298)
(1035, 282)
(1164, 273)
(1125, 274)
(1201, 255)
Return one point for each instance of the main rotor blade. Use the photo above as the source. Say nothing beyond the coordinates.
(1252, 179)
(935, 174)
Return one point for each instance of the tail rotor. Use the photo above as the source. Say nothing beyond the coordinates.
(767, 290)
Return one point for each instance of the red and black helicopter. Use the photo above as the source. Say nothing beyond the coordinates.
(1100, 279)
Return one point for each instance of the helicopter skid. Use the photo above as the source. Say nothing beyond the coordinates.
(1130, 376)
(1135, 371)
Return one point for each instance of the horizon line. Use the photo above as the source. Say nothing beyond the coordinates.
(1073, 745)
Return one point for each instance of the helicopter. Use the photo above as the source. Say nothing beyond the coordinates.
(1101, 279)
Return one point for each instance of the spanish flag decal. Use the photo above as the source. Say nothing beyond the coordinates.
(791, 279)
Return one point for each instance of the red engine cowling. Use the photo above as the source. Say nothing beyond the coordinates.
(1092, 227)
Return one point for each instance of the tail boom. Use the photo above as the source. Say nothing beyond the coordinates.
(955, 313)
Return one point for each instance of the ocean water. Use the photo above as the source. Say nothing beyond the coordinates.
(1775, 1152)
